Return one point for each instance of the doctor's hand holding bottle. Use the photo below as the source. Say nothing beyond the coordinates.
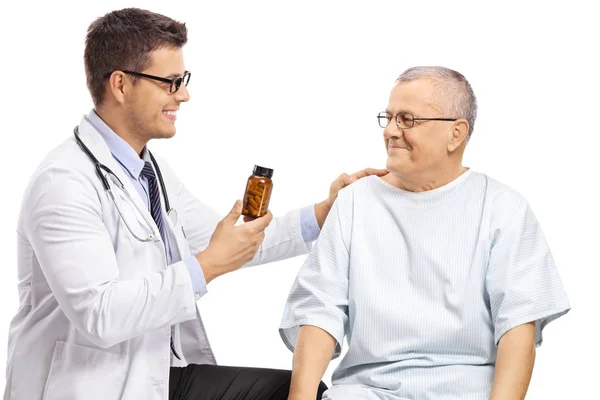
(231, 246)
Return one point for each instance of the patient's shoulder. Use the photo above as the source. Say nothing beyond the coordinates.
(507, 205)
(502, 195)
(362, 188)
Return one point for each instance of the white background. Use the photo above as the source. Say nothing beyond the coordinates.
(295, 86)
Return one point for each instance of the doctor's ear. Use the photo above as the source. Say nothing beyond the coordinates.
(117, 85)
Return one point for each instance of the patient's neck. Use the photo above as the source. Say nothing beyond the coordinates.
(422, 181)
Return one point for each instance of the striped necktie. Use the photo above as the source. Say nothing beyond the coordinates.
(157, 215)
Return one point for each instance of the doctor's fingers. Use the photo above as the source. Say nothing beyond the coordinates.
(340, 182)
(369, 171)
(259, 224)
(344, 179)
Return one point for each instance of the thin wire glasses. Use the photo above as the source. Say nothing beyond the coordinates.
(404, 120)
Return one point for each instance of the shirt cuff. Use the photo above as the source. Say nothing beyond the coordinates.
(308, 224)
(197, 276)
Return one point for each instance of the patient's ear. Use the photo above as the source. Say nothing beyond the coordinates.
(458, 135)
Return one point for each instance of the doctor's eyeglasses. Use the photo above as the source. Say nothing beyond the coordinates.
(174, 83)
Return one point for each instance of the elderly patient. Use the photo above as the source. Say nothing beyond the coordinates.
(439, 276)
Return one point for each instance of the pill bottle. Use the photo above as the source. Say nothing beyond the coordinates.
(258, 192)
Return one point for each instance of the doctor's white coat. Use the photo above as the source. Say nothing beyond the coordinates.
(97, 305)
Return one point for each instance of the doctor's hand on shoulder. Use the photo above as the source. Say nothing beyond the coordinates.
(231, 246)
(323, 208)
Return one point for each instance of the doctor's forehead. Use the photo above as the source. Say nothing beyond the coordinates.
(167, 62)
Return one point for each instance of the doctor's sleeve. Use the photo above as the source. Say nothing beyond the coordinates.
(319, 295)
(522, 280)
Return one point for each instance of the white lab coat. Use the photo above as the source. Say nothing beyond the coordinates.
(96, 305)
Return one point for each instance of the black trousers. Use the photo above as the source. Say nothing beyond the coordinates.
(216, 382)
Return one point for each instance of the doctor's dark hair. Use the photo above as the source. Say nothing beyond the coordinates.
(123, 40)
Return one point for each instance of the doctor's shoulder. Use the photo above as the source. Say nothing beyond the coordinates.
(66, 157)
(63, 173)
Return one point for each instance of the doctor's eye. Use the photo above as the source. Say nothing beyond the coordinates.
(176, 83)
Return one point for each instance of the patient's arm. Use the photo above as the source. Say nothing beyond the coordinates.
(514, 364)
(313, 351)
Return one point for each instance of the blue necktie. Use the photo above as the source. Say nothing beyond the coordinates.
(156, 211)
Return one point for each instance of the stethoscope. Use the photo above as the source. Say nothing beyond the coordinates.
(171, 212)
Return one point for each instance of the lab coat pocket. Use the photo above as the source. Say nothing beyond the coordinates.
(79, 372)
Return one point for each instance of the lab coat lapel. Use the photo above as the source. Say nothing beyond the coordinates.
(92, 139)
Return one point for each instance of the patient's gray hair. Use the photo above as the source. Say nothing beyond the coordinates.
(455, 93)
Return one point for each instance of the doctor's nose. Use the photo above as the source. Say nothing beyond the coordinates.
(182, 95)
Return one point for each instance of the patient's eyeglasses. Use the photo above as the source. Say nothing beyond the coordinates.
(404, 120)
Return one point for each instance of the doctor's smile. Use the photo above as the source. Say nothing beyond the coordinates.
(171, 114)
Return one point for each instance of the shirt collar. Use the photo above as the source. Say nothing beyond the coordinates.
(119, 148)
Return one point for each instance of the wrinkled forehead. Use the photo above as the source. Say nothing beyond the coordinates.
(419, 97)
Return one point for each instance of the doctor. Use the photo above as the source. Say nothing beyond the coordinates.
(113, 251)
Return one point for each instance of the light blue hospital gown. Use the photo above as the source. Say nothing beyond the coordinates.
(424, 285)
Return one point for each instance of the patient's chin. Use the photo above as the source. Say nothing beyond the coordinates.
(396, 165)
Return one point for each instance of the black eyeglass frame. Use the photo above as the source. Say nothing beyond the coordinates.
(174, 83)
(386, 116)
